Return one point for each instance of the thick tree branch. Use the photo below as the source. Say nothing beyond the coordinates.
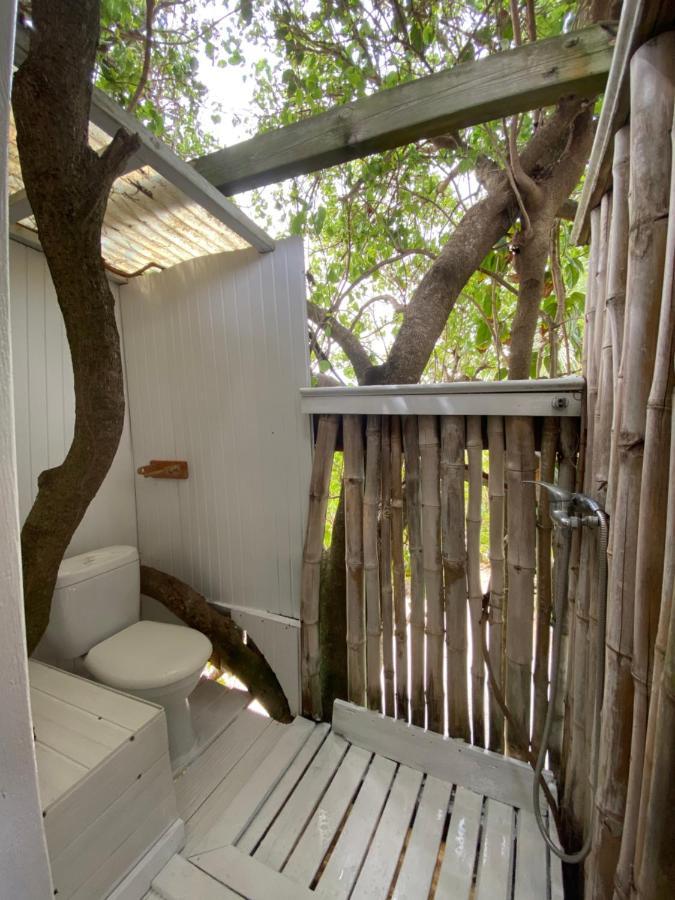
(347, 340)
(243, 660)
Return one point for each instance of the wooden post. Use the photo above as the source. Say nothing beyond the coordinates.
(652, 94)
(386, 604)
(496, 494)
(549, 442)
(398, 569)
(412, 498)
(311, 564)
(651, 545)
(433, 580)
(371, 563)
(356, 611)
(453, 553)
(521, 550)
(474, 447)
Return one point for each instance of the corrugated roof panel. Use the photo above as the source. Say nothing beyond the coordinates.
(148, 222)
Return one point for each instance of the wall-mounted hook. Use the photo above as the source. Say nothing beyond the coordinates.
(164, 468)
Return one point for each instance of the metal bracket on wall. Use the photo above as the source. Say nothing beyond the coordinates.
(164, 468)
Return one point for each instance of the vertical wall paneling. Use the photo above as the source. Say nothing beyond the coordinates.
(45, 406)
(215, 353)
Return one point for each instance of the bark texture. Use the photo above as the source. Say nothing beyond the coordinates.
(68, 186)
(242, 659)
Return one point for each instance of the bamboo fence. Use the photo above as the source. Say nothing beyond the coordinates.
(426, 544)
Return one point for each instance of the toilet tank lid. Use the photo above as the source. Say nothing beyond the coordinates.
(96, 562)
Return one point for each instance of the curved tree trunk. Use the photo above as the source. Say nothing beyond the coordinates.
(243, 660)
(68, 186)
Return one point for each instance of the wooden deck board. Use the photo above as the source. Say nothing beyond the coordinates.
(279, 841)
(456, 875)
(496, 853)
(531, 866)
(310, 850)
(380, 864)
(419, 862)
(345, 861)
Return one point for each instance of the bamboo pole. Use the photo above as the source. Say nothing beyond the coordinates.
(617, 266)
(577, 768)
(651, 545)
(659, 660)
(371, 563)
(386, 604)
(652, 93)
(520, 559)
(474, 448)
(356, 610)
(453, 552)
(433, 580)
(412, 499)
(656, 876)
(319, 487)
(496, 496)
(569, 440)
(544, 605)
(398, 571)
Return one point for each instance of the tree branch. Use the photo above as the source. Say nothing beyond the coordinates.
(348, 341)
(147, 56)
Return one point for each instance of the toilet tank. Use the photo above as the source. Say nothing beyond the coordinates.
(97, 594)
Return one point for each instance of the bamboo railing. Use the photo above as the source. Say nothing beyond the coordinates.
(427, 543)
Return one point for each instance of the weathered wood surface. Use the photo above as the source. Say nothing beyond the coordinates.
(496, 493)
(398, 572)
(474, 447)
(356, 613)
(534, 75)
(386, 592)
(414, 521)
(371, 563)
(319, 488)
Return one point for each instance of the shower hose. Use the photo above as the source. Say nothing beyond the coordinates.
(561, 599)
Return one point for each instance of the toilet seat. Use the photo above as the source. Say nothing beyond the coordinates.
(148, 655)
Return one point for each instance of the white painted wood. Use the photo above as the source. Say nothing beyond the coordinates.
(345, 860)
(204, 774)
(450, 760)
(461, 845)
(121, 709)
(214, 706)
(531, 865)
(493, 881)
(253, 795)
(304, 862)
(547, 397)
(180, 880)
(45, 404)
(255, 831)
(419, 862)
(378, 870)
(289, 825)
(98, 789)
(243, 773)
(57, 774)
(215, 354)
(139, 879)
(249, 877)
(93, 849)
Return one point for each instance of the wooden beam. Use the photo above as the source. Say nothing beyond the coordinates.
(108, 116)
(640, 20)
(528, 77)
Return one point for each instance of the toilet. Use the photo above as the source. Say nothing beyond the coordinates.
(95, 630)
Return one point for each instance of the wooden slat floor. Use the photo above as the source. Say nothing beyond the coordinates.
(302, 811)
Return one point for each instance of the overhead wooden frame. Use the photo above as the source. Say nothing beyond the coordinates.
(152, 152)
(640, 20)
(529, 77)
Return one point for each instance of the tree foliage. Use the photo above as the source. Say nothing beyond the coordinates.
(374, 225)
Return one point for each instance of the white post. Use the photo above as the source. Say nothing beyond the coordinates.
(24, 865)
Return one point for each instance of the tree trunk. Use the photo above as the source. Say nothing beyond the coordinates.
(243, 660)
(68, 185)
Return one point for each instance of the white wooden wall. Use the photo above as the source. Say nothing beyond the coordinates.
(45, 406)
(24, 867)
(216, 353)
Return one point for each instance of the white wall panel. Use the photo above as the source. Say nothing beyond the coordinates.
(45, 406)
(216, 353)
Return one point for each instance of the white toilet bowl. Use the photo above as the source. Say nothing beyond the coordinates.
(160, 663)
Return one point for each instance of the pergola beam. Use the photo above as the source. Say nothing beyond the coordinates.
(503, 84)
(108, 116)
